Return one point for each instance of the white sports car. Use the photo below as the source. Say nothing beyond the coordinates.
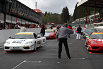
(25, 41)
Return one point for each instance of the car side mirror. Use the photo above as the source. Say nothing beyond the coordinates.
(10, 37)
(38, 36)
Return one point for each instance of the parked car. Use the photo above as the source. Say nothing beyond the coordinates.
(87, 32)
(50, 34)
(95, 43)
(25, 41)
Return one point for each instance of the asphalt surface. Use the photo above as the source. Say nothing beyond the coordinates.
(46, 57)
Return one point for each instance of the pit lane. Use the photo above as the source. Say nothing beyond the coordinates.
(46, 57)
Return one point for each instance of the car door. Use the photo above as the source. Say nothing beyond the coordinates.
(41, 39)
(37, 40)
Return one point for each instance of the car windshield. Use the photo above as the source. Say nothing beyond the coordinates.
(49, 31)
(90, 31)
(22, 37)
(97, 36)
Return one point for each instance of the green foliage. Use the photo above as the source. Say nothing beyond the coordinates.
(49, 17)
(65, 15)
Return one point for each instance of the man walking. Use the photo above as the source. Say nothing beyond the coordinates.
(43, 30)
(62, 36)
(78, 32)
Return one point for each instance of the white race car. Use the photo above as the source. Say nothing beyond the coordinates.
(24, 41)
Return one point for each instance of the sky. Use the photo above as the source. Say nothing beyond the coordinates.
(54, 6)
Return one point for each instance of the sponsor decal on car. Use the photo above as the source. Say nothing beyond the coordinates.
(24, 34)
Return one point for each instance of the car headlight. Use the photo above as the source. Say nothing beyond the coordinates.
(7, 42)
(51, 34)
(28, 43)
(93, 42)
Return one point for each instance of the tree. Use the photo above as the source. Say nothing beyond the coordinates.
(50, 17)
(65, 14)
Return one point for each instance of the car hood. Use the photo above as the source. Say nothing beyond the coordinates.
(19, 40)
(47, 34)
(99, 42)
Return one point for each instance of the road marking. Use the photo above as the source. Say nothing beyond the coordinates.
(69, 43)
(58, 62)
(79, 58)
(34, 61)
(21, 52)
(19, 64)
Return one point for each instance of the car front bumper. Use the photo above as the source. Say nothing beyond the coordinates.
(96, 48)
(15, 48)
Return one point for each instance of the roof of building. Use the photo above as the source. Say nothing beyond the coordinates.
(91, 3)
(37, 10)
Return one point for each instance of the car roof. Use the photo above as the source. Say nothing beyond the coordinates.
(49, 30)
(26, 33)
(97, 33)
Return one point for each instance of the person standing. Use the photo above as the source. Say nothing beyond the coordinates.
(62, 36)
(74, 29)
(43, 30)
(22, 28)
(6, 26)
(79, 29)
(16, 26)
(69, 27)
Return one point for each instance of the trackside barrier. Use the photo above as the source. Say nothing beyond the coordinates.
(5, 34)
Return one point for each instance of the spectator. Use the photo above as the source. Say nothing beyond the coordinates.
(74, 29)
(6, 26)
(1, 26)
(79, 29)
(43, 30)
(22, 28)
(16, 26)
(69, 27)
(58, 28)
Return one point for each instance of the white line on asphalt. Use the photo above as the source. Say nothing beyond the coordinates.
(58, 62)
(69, 43)
(79, 58)
(19, 64)
(34, 61)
